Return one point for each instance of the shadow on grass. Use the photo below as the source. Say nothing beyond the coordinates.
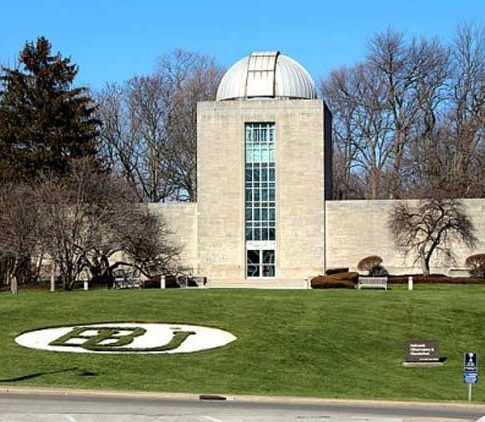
(81, 372)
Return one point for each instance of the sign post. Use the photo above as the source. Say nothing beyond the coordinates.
(470, 371)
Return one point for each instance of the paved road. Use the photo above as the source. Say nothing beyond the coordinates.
(48, 408)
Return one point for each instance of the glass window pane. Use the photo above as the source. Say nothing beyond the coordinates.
(271, 214)
(272, 155)
(253, 257)
(253, 270)
(256, 175)
(264, 174)
(268, 271)
(264, 155)
(272, 234)
(268, 256)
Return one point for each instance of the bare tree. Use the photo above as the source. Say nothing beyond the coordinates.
(132, 238)
(91, 220)
(466, 120)
(378, 105)
(433, 227)
(18, 232)
(341, 91)
(149, 132)
(476, 265)
(448, 153)
(413, 73)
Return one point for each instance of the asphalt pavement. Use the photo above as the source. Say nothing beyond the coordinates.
(81, 407)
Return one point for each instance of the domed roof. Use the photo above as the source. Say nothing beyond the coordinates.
(266, 74)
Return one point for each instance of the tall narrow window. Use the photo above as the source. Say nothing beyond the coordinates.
(260, 200)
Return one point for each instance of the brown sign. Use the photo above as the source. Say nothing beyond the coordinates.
(423, 351)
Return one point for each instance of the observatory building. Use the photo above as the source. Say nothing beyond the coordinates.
(263, 146)
(263, 215)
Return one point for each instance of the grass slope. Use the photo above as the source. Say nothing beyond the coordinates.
(338, 343)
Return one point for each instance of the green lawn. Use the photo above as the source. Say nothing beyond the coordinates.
(323, 343)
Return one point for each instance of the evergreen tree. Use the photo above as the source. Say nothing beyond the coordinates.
(45, 123)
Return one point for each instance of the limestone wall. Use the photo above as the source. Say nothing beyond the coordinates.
(181, 219)
(299, 185)
(355, 229)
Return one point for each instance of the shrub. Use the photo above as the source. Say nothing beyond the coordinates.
(476, 265)
(330, 271)
(349, 276)
(344, 279)
(367, 263)
(372, 264)
(329, 282)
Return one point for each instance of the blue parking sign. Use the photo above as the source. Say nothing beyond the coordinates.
(470, 377)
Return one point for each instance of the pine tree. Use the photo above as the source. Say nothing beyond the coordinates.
(45, 122)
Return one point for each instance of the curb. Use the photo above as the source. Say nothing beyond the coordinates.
(72, 392)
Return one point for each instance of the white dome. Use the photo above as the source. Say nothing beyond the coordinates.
(266, 75)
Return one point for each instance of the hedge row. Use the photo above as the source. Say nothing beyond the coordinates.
(433, 279)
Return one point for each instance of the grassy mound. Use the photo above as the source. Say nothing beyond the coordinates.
(323, 343)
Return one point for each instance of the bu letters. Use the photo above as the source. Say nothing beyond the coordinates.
(126, 337)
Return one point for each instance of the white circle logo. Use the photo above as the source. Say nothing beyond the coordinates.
(126, 337)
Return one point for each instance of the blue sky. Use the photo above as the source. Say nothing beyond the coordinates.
(113, 40)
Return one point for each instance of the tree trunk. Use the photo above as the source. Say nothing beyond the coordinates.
(425, 265)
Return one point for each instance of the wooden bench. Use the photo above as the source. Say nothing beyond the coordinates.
(372, 282)
(125, 280)
(126, 283)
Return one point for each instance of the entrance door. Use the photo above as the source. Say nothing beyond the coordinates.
(260, 263)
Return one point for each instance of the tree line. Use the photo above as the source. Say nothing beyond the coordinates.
(63, 203)
(408, 121)
(87, 223)
(76, 166)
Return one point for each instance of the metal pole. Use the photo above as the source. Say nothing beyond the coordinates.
(410, 282)
(162, 282)
(470, 393)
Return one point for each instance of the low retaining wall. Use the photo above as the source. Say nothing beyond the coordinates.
(358, 228)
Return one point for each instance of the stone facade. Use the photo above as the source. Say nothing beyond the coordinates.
(300, 182)
(356, 229)
(181, 220)
(312, 231)
(352, 230)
